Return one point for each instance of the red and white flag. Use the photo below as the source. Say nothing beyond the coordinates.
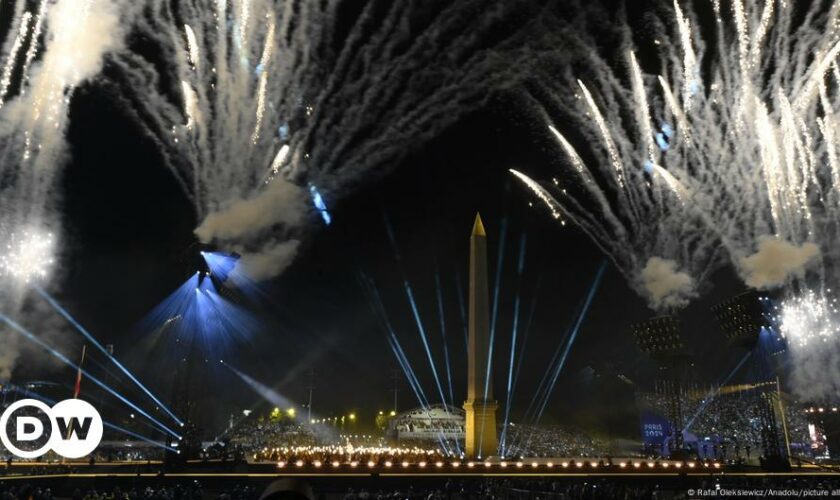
(78, 387)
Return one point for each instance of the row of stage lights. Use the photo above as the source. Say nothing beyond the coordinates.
(503, 465)
(821, 410)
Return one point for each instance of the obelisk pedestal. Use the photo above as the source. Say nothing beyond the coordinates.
(480, 407)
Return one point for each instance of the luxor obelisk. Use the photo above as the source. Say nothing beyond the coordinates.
(481, 440)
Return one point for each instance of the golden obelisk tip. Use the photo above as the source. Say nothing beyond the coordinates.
(478, 227)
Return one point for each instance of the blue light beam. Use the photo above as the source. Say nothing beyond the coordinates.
(443, 336)
(394, 343)
(714, 393)
(61, 357)
(415, 311)
(52, 402)
(580, 319)
(497, 287)
(104, 351)
(519, 271)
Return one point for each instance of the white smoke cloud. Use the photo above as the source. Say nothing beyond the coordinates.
(36, 316)
(66, 45)
(280, 204)
(776, 261)
(270, 261)
(75, 49)
(665, 285)
(815, 371)
(243, 225)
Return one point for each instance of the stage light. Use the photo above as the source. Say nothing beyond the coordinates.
(622, 465)
(388, 463)
(488, 464)
(456, 464)
(371, 463)
(579, 464)
(519, 464)
(336, 464)
(691, 465)
(299, 463)
(636, 464)
(470, 464)
(503, 464)
(279, 464)
(354, 464)
(650, 464)
(422, 464)
(316, 463)
(438, 464)
(549, 465)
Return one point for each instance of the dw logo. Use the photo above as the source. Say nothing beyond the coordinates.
(72, 428)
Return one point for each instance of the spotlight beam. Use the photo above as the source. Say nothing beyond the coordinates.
(527, 330)
(545, 387)
(51, 402)
(514, 330)
(581, 317)
(102, 349)
(463, 310)
(443, 336)
(495, 313)
(414, 383)
(415, 311)
(393, 342)
(30, 336)
(714, 393)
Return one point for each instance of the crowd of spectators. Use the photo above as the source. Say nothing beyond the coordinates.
(442, 489)
(184, 491)
(257, 434)
(727, 424)
(550, 441)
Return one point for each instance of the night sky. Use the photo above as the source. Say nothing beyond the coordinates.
(128, 233)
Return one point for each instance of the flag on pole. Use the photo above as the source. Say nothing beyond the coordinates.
(78, 387)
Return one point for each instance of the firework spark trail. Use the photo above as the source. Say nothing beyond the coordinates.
(27, 256)
(10, 62)
(289, 89)
(50, 50)
(810, 323)
(735, 155)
